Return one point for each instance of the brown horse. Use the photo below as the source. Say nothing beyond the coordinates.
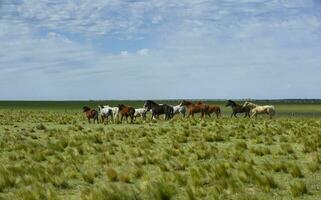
(213, 109)
(237, 108)
(126, 111)
(91, 114)
(192, 108)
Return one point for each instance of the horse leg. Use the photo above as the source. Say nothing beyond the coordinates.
(254, 115)
(271, 114)
(121, 118)
(115, 117)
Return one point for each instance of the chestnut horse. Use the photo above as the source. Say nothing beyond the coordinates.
(213, 109)
(126, 111)
(91, 114)
(192, 108)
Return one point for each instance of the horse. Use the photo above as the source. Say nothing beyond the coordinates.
(126, 111)
(213, 109)
(115, 111)
(179, 109)
(159, 109)
(105, 112)
(140, 112)
(192, 108)
(91, 114)
(257, 109)
(237, 108)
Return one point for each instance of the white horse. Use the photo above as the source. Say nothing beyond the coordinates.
(140, 112)
(180, 109)
(114, 110)
(257, 109)
(105, 112)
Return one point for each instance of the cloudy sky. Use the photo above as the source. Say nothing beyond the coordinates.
(160, 49)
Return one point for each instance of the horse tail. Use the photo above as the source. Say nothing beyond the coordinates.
(95, 115)
(172, 112)
(219, 111)
(272, 110)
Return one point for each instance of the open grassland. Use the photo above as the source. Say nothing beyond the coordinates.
(55, 154)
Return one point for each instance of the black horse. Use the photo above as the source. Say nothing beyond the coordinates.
(236, 108)
(159, 109)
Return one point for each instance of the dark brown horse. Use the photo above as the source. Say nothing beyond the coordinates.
(213, 109)
(159, 109)
(91, 114)
(237, 108)
(126, 111)
(192, 108)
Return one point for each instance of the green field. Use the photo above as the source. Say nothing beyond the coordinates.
(49, 151)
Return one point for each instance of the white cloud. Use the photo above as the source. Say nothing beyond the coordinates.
(124, 53)
(143, 52)
(157, 19)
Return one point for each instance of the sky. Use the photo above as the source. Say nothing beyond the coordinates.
(159, 49)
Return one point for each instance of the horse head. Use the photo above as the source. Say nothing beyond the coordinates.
(121, 106)
(185, 103)
(85, 108)
(249, 105)
(100, 107)
(147, 104)
(230, 103)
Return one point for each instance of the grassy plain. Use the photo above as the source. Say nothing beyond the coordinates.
(49, 151)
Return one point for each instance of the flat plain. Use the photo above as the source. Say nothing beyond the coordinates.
(49, 151)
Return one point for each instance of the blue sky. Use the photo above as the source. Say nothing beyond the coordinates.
(160, 49)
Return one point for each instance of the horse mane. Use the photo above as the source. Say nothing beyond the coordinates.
(85, 108)
(247, 103)
(152, 102)
(186, 102)
(232, 102)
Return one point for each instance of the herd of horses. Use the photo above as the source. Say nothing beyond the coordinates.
(184, 108)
